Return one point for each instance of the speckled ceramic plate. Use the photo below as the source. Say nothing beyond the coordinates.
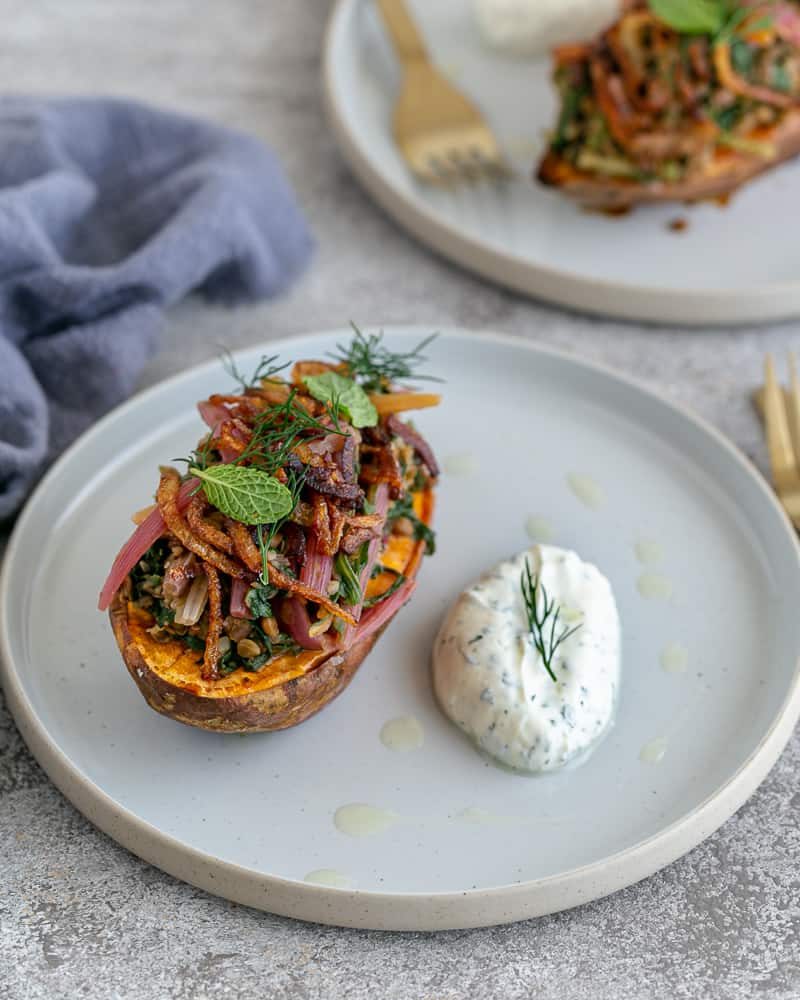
(447, 839)
(732, 265)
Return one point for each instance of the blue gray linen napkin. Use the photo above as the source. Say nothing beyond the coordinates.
(111, 211)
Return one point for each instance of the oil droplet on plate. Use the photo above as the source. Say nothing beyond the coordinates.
(653, 752)
(463, 465)
(360, 820)
(674, 658)
(648, 552)
(329, 877)
(403, 734)
(654, 587)
(538, 529)
(587, 491)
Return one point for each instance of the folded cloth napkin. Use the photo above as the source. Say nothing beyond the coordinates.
(111, 211)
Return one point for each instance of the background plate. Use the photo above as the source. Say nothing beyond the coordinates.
(250, 817)
(733, 265)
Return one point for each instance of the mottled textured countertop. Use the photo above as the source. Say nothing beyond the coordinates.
(79, 916)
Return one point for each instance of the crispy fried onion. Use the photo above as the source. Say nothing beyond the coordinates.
(383, 467)
(244, 406)
(215, 619)
(338, 520)
(361, 528)
(233, 435)
(244, 546)
(203, 529)
(373, 521)
(331, 522)
(294, 545)
(322, 524)
(247, 550)
(355, 538)
(328, 480)
(413, 438)
(167, 497)
(346, 459)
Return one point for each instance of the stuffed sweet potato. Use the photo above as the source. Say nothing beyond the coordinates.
(252, 591)
(677, 102)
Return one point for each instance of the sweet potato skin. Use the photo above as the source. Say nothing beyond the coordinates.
(280, 707)
(730, 171)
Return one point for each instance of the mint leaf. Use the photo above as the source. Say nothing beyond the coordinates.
(330, 387)
(245, 494)
(692, 17)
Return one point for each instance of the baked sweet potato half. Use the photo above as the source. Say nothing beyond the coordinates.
(658, 110)
(252, 591)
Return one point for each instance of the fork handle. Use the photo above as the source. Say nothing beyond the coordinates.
(405, 34)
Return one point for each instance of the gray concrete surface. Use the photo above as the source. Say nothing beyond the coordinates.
(79, 916)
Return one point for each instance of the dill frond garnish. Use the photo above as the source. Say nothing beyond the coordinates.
(294, 483)
(267, 370)
(368, 359)
(280, 428)
(542, 613)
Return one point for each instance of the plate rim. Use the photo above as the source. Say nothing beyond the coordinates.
(598, 296)
(367, 909)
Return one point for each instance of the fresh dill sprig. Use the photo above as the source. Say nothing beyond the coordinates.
(263, 548)
(368, 359)
(294, 483)
(539, 613)
(334, 408)
(267, 369)
(201, 456)
(275, 432)
(278, 430)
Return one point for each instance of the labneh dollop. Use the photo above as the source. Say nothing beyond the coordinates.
(491, 680)
(533, 27)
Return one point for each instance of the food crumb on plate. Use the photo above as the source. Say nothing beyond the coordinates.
(679, 225)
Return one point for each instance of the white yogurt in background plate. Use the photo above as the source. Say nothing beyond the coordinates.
(533, 27)
(492, 682)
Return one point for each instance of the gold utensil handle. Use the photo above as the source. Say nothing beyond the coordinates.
(407, 39)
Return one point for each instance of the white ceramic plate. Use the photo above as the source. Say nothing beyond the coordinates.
(734, 265)
(250, 817)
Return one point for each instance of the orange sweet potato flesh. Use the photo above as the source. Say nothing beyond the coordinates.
(282, 694)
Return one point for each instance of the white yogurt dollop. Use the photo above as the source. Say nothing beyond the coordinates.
(491, 681)
(533, 27)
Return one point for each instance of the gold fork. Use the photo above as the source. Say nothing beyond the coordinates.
(441, 134)
(782, 416)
